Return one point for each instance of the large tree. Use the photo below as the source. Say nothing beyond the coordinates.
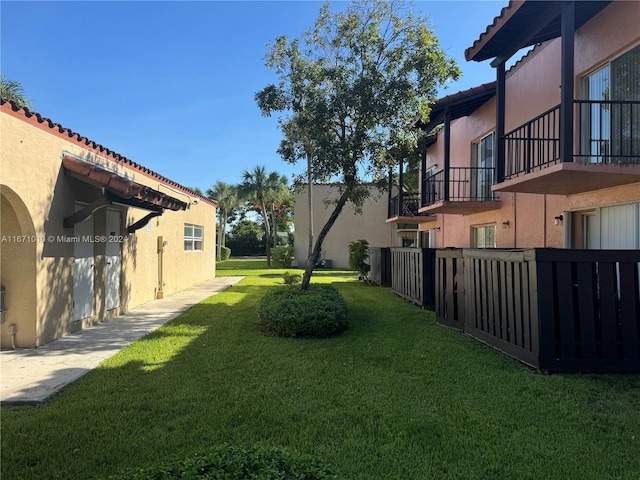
(227, 197)
(262, 189)
(349, 90)
(12, 90)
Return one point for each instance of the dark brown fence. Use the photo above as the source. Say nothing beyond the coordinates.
(449, 288)
(589, 308)
(554, 309)
(413, 274)
(380, 263)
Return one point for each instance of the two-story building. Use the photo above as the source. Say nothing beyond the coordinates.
(549, 154)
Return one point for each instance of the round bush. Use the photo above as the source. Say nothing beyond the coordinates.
(233, 463)
(289, 311)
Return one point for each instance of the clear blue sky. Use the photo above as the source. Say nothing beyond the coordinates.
(171, 85)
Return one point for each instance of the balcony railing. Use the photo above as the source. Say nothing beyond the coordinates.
(407, 206)
(608, 133)
(466, 184)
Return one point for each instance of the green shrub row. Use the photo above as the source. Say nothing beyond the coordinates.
(289, 311)
(233, 463)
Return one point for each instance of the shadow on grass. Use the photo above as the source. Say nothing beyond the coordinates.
(394, 397)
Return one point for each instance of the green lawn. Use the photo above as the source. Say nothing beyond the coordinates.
(395, 397)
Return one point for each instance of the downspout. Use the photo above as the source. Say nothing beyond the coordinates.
(13, 329)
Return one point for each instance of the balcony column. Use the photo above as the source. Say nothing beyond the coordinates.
(389, 206)
(500, 121)
(400, 187)
(447, 153)
(567, 29)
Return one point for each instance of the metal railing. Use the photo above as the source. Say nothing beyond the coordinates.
(405, 205)
(608, 132)
(466, 184)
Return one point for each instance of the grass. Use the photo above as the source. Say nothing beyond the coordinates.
(394, 397)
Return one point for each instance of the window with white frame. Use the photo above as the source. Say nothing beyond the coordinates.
(484, 236)
(193, 237)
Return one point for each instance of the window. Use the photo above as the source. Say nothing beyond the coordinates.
(193, 237)
(482, 162)
(484, 236)
(610, 121)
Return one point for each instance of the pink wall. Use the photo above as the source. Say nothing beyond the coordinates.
(533, 86)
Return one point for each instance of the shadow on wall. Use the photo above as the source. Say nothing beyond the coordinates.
(18, 271)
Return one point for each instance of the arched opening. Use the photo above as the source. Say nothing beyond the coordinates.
(17, 271)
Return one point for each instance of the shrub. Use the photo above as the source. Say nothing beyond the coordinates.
(232, 463)
(292, 278)
(358, 256)
(283, 256)
(289, 311)
(225, 253)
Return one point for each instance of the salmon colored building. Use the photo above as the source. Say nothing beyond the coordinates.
(549, 154)
(87, 234)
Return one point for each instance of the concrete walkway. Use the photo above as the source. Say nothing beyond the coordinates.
(33, 375)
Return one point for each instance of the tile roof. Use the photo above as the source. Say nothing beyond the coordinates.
(34, 118)
(523, 23)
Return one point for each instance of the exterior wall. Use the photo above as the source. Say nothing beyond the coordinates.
(37, 194)
(349, 226)
(533, 87)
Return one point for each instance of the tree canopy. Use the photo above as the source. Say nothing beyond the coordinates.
(349, 90)
(263, 190)
(12, 90)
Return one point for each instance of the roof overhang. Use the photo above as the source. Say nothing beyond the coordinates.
(120, 189)
(460, 104)
(524, 23)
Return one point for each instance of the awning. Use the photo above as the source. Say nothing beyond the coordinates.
(115, 188)
(525, 23)
(460, 104)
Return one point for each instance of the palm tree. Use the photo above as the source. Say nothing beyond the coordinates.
(12, 90)
(227, 197)
(262, 189)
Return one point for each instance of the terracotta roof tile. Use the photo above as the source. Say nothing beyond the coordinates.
(43, 122)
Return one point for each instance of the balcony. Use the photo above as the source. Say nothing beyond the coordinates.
(403, 208)
(467, 190)
(606, 152)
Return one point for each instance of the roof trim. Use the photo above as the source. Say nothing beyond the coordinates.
(460, 104)
(523, 23)
(132, 193)
(22, 113)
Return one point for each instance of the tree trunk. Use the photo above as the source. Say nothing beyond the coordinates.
(274, 226)
(311, 262)
(310, 203)
(221, 235)
(267, 232)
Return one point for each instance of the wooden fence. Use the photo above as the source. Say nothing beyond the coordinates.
(449, 288)
(554, 309)
(413, 274)
(380, 263)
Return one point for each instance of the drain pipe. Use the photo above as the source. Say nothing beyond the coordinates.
(13, 329)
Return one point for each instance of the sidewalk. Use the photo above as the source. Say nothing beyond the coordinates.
(33, 375)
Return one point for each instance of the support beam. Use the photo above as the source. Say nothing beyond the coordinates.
(142, 222)
(400, 187)
(500, 121)
(548, 12)
(85, 212)
(567, 29)
(447, 153)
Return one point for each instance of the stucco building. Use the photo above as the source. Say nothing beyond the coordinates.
(86, 233)
(349, 226)
(549, 154)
